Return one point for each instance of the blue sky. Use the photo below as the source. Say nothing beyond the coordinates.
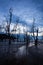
(25, 9)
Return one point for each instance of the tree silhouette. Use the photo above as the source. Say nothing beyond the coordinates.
(36, 40)
(8, 27)
(15, 28)
(33, 28)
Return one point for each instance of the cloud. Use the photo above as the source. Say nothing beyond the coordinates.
(20, 28)
(26, 10)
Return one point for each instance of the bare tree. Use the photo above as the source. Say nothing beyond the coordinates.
(24, 31)
(19, 30)
(15, 28)
(36, 40)
(37, 34)
(26, 38)
(8, 27)
(33, 28)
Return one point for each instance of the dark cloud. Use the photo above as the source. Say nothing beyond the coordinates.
(39, 4)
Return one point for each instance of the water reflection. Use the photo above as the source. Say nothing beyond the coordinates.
(22, 51)
(18, 50)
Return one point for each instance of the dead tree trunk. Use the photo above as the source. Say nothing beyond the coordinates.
(9, 22)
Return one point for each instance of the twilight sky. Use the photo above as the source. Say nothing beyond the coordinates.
(25, 9)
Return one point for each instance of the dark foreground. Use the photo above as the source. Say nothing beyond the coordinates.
(33, 56)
